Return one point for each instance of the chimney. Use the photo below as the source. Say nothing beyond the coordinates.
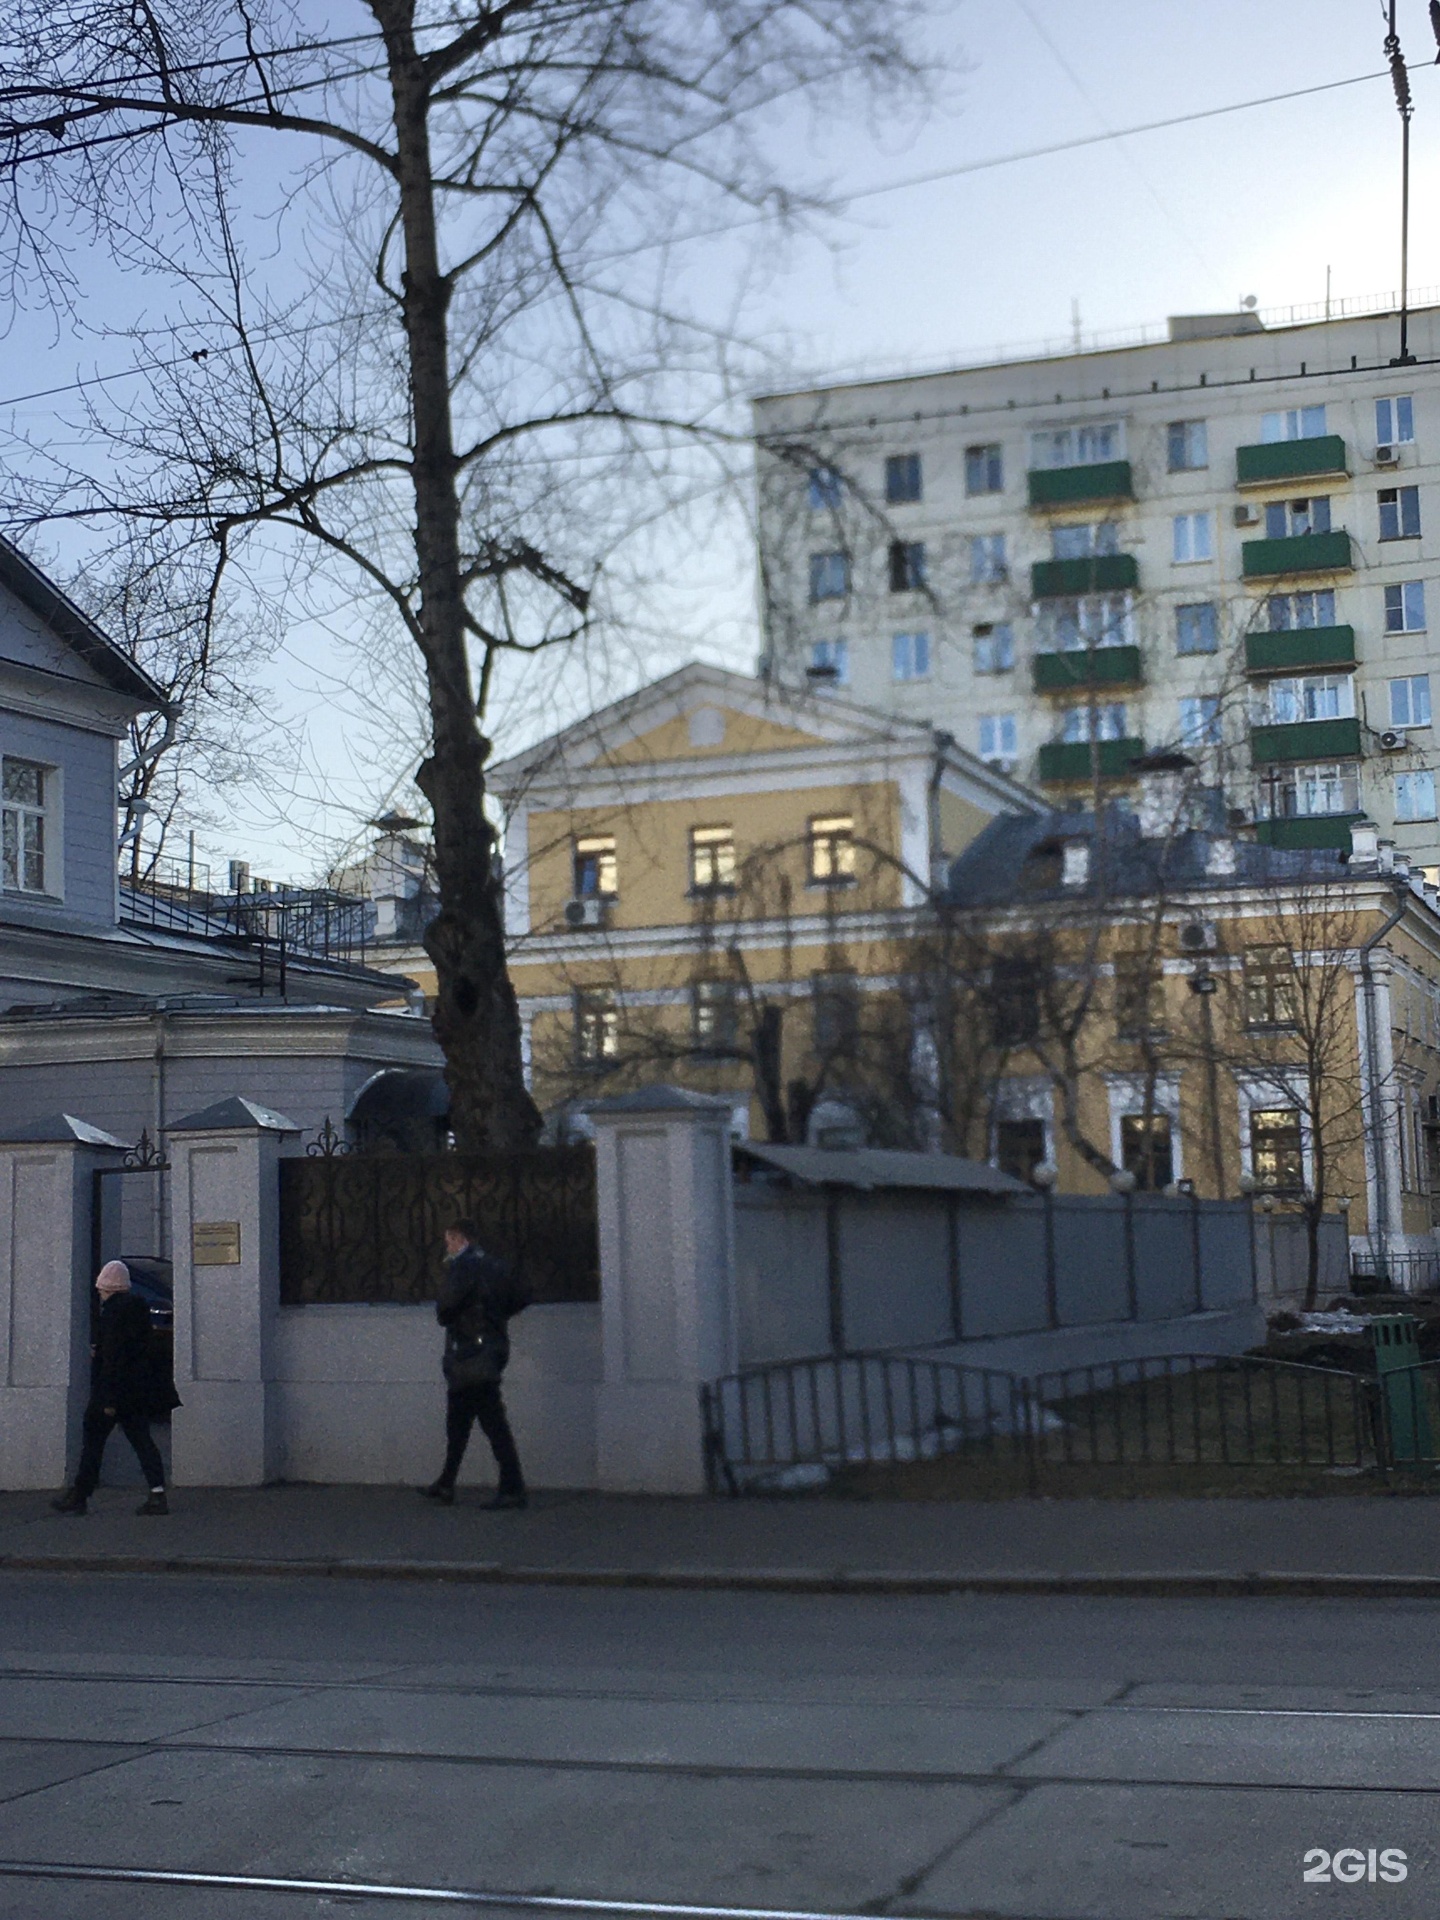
(1402, 867)
(1075, 863)
(1364, 843)
(1222, 857)
(1162, 805)
(1386, 855)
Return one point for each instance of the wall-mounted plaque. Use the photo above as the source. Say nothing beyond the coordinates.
(215, 1243)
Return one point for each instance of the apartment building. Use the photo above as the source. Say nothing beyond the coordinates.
(1226, 542)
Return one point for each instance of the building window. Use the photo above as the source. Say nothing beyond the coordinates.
(1147, 1150)
(984, 469)
(1395, 421)
(712, 859)
(597, 1028)
(832, 850)
(1200, 720)
(1085, 541)
(907, 565)
(1187, 446)
(835, 1003)
(1405, 607)
(1197, 628)
(826, 489)
(1399, 513)
(1139, 1007)
(1103, 722)
(1293, 423)
(1410, 701)
(1269, 985)
(1095, 620)
(1286, 611)
(25, 799)
(830, 660)
(1019, 1147)
(1085, 446)
(902, 478)
(1286, 701)
(1014, 1002)
(829, 576)
(1415, 795)
(987, 559)
(910, 656)
(1277, 1157)
(1190, 538)
(1305, 792)
(1293, 519)
(998, 737)
(994, 648)
(714, 1016)
(596, 873)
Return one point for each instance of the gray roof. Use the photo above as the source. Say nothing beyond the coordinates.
(661, 1099)
(871, 1167)
(57, 1127)
(79, 632)
(992, 870)
(234, 1115)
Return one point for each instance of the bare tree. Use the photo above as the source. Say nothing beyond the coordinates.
(461, 323)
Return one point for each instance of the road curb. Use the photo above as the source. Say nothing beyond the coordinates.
(858, 1581)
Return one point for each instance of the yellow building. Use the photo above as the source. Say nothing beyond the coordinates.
(716, 881)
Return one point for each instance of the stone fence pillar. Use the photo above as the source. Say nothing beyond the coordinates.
(667, 1297)
(46, 1199)
(225, 1215)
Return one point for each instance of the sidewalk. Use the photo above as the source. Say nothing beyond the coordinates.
(1365, 1547)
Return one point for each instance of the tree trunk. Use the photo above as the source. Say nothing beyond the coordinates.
(477, 1020)
(1312, 1255)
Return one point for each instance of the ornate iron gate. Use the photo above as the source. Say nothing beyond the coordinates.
(369, 1225)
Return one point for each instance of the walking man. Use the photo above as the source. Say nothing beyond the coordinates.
(122, 1392)
(477, 1297)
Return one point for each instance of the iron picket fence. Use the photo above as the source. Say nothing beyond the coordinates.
(795, 1424)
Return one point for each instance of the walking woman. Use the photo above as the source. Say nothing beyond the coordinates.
(122, 1393)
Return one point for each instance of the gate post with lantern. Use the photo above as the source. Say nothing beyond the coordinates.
(225, 1213)
(47, 1170)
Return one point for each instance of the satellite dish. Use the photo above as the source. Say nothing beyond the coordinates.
(1249, 303)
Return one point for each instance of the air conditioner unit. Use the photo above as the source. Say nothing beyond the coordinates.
(1247, 515)
(1198, 936)
(1387, 456)
(1392, 740)
(586, 912)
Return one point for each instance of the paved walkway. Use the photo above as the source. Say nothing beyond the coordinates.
(1361, 1546)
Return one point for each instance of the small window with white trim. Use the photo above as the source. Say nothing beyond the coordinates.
(27, 796)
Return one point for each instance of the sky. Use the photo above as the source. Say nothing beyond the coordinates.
(1263, 202)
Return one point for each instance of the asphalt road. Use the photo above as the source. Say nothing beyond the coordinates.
(1021, 1757)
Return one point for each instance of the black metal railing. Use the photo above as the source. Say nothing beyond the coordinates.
(797, 1423)
(314, 923)
(765, 1426)
(1377, 1270)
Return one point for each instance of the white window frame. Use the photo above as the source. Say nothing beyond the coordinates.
(1329, 776)
(989, 559)
(1391, 404)
(1303, 684)
(1100, 619)
(832, 653)
(1023, 1097)
(1197, 653)
(52, 813)
(1201, 729)
(1192, 538)
(1096, 537)
(1066, 446)
(1396, 503)
(1285, 1090)
(1409, 681)
(1291, 601)
(1310, 502)
(1127, 1101)
(1079, 726)
(1292, 423)
(909, 656)
(986, 647)
(1410, 778)
(1402, 588)
(999, 755)
(1190, 432)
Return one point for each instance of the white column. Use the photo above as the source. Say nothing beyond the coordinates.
(46, 1188)
(225, 1214)
(667, 1296)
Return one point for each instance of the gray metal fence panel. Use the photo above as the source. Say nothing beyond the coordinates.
(781, 1274)
(1002, 1285)
(1166, 1257)
(894, 1270)
(1091, 1275)
(1227, 1253)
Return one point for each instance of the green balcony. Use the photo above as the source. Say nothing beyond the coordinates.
(1302, 553)
(1307, 830)
(1069, 579)
(1298, 648)
(1080, 486)
(1087, 667)
(1280, 461)
(1069, 760)
(1306, 740)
